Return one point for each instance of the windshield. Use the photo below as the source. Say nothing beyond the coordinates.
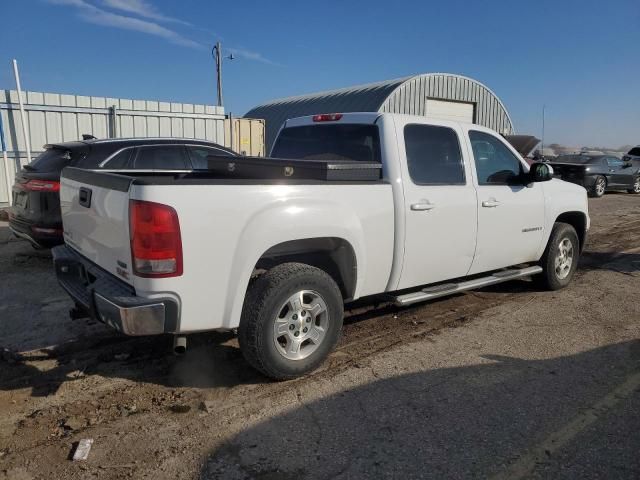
(51, 160)
(329, 142)
(574, 159)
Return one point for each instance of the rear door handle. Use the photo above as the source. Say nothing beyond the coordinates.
(490, 203)
(421, 207)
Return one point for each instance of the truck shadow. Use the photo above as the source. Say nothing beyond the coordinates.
(576, 418)
(626, 263)
(210, 362)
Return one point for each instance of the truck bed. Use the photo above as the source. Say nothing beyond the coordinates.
(226, 225)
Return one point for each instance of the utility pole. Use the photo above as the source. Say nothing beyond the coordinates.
(216, 51)
(217, 55)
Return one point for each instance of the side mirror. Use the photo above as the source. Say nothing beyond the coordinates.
(540, 172)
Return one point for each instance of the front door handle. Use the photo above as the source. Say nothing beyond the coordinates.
(490, 203)
(421, 207)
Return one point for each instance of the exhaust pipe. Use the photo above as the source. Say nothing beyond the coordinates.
(179, 345)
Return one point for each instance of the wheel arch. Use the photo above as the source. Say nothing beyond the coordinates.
(578, 220)
(334, 255)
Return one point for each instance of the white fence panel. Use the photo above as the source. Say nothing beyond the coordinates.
(53, 117)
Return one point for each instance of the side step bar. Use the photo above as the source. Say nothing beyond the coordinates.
(437, 291)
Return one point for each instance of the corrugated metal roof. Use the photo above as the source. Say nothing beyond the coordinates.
(406, 95)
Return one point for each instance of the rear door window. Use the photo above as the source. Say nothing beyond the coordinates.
(433, 155)
(161, 157)
(120, 160)
(199, 156)
(329, 142)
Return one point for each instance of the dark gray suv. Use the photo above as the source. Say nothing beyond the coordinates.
(35, 213)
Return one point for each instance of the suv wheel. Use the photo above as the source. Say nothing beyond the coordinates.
(599, 187)
(291, 320)
(560, 258)
(636, 186)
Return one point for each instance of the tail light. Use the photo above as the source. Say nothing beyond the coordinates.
(156, 246)
(327, 117)
(41, 186)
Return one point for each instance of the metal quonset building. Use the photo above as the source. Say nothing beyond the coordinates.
(440, 95)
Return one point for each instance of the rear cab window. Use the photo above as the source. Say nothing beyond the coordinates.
(354, 142)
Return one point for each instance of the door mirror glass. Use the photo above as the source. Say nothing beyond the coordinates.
(540, 172)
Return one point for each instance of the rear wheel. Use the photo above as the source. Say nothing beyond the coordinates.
(560, 258)
(291, 320)
(636, 186)
(599, 187)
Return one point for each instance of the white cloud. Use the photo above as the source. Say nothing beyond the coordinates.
(141, 8)
(251, 55)
(98, 16)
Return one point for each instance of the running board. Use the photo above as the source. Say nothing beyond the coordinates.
(430, 293)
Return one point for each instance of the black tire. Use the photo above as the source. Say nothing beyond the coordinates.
(263, 305)
(636, 186)
(595, 191)
(551, 278)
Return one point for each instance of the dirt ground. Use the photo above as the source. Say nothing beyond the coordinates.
(505, 382)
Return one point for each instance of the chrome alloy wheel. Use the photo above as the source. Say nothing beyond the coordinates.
(600, 186)
(636, 185)
(564, 258)
(301, 325)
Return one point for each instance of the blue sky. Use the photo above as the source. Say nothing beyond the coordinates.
(580, 58)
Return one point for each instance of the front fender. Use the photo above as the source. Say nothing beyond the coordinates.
(280, 222)
(562, 197)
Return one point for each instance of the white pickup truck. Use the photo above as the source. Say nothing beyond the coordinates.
(277, 257)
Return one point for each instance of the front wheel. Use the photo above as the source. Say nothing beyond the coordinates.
(291, 320)
(636, 186)
(560, 258)
(599, 187)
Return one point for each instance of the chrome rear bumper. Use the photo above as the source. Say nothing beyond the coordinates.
(106, 298)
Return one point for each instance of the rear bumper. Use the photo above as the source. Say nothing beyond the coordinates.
(43, 235)
(107, 299)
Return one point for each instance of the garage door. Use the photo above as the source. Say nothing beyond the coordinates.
(461, 112)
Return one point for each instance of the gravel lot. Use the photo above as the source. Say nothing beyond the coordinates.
(506, 382)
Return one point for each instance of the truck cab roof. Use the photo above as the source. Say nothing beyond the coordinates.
(371, 118)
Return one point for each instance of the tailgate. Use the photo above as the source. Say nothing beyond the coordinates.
(95, 218)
